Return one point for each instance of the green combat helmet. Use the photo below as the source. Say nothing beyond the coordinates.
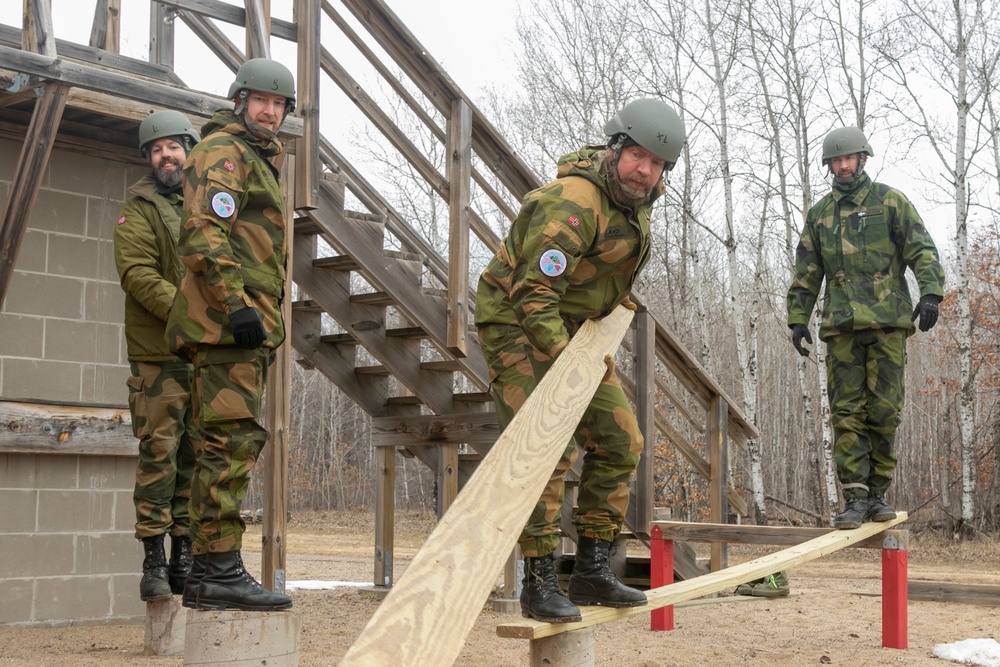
(264, 76)
(653, 125)
(166, 123)
(846, 141)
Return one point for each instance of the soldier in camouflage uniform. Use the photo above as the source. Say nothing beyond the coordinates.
(861, 238)
(572, 255)
(145, 242)
(227, 318)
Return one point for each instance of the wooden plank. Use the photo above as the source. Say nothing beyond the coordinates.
(27, 178)
(923, 590)
(39, 35)
(447, 476)
(417, 431)
(385, 509)
(216, 40)
(708, 584)
(425, 618)
(307, 104)
(40, 428)
(767, 535)
(459, 180)
(257, 28)
(232, 14)
(161, 35)
(645, 412)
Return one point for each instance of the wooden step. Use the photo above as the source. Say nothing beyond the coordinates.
(472, 397)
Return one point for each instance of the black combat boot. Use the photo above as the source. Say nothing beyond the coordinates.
(879, 510)
(227, 585)
(190, 597)
(593, 582)
(853, 515)
(154, 584)
(541, 597)
(179, 567)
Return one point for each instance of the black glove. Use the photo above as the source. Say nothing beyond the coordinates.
(248, 332)
(927, 309)
(800, 331)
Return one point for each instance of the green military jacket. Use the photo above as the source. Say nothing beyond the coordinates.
(232, 240)
(571, 255)
(145, 241)
(861, 243)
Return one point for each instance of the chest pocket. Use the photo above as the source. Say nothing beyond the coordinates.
(872, 228)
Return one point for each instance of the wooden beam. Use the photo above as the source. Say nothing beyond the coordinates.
(307, 106)
(38, 36)
(764, 535)
(37, 428)
(258, 18)
(105, 34)
(718, 481)
(459, 181)
(216, 40)
(27, 178)
(100, 80)
(417, 431)
(232, 14)
(425, 618)
(708, 584)
(161, 35)
(645, 412)
(950, 591)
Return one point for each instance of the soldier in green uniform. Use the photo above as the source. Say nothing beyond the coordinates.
(860, 239)
(227, 318)
(145, 242)
(572, 255)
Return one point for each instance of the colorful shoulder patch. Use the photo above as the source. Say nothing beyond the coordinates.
(223, 204)
(121, 220)
(573, 221)
(229, 166)
(552, 262)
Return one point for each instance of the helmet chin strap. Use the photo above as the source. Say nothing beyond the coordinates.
(260, 130)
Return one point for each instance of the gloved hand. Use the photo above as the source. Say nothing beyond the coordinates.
(248, 332)
(800, 331)
(927, 309)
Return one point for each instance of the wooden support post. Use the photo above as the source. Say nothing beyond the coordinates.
(718, 448)
(161, 35)
(645, 412)
(27, 179)
(385, 508)
(447, 477)
(460, 180)
(258, 28)
(307, 21)
(894, 592)
(661, 573)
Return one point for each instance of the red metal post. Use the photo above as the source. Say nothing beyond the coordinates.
(661, 573)
(894, 594)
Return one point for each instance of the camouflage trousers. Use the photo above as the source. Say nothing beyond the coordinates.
(865, 372)
(159, 399)
(228, 390)
(608, 434)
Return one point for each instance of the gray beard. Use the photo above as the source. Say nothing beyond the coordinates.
(167, 180)
(619, 194)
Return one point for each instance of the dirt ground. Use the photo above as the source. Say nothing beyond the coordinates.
(832, 617)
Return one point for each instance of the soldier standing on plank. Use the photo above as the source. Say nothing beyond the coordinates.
(860, 238)
(572, 255)
(160, 386)
(227, 318)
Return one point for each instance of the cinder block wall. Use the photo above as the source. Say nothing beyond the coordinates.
(67, 548)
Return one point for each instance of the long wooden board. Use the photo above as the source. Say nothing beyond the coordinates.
(425, 618)
(708, 583)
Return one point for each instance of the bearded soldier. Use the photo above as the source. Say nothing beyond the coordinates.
(227, 317)
(159, 396)
(572, 255)
(860, 238)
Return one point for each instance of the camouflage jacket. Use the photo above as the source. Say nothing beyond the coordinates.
(861, 243)
(232, 240)
(571, 255)
(146, 258)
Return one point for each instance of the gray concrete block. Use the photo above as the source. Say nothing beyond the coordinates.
(108, 553)
(31, 379)
(104, 385)
(80, 341)
(74, 511)
(33, 254)
(125, 602)
(22, 335)
(72, 598)
(102, 216)
(77, 256)
(104, 302)
(17, 596)
(31, 555)
(78, 172)
(55, 471)
(18, 471)
(19, 510)
(63, 297)
(62, 212)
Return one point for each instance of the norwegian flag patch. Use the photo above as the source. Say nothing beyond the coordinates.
(121, 220)
(573, 221)
(229, 166)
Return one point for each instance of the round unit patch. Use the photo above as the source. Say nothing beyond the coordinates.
(552, 262)
(223, 204)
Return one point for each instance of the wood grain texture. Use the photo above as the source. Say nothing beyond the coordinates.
(708, 583)
(425, 618)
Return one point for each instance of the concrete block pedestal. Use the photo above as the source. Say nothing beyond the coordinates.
(242, 638)
(165, 624)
